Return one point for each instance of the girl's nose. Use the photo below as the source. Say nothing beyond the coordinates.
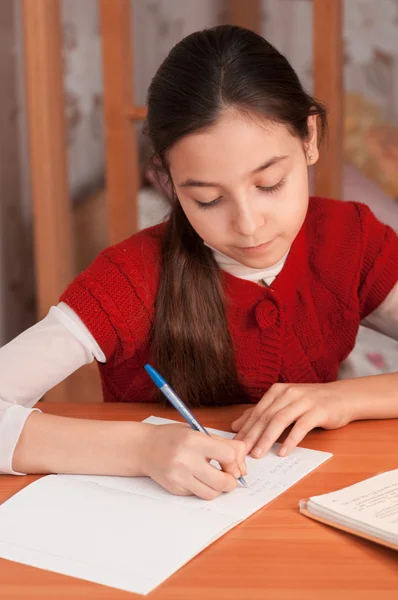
(247, 221)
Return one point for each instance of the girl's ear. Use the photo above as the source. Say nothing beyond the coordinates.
(311, 144)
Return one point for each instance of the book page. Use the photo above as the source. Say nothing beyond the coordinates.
(373, 502)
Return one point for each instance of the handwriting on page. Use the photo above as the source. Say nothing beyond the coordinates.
(272, 478)
(258, 486)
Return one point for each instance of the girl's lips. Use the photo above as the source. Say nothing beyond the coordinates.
(256, 249)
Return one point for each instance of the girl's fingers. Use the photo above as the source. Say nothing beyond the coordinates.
(231, 454)
(303, 425)
(251, 435)
(238, 466)
(202, 490)
(257, 412)
(219, 481)
(277, 426)
(240, 421)
(241, 457)
(255, 433)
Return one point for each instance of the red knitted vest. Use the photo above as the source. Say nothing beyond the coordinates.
(341, 266)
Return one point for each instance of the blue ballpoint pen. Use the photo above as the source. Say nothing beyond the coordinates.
(179, 404)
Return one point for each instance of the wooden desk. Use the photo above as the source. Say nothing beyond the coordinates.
(276, 554)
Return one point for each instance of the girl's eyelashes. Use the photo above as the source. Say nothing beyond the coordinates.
(267, 189)
(272, 188)
(205, 205)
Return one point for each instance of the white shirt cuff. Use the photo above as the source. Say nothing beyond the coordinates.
(11, 424)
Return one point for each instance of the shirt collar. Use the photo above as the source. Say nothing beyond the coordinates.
(233, 267)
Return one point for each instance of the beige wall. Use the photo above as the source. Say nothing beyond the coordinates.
(83, 93)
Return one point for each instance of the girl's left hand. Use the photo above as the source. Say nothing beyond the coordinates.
(308, 405)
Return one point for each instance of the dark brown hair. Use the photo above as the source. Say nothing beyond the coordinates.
(205, 73)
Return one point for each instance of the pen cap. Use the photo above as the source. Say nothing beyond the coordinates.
(154, 375)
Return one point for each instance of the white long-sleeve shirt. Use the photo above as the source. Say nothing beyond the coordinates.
(47, 353)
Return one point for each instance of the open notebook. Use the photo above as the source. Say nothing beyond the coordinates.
(368, 509)
(129, 533)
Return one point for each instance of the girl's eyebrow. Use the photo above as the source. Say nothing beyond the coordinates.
(196, 183)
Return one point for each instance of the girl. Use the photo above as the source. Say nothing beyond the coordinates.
(251, 292)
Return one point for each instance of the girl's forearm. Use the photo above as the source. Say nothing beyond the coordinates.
(373, 397)
(52, 444)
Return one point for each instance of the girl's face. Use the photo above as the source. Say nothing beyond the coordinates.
(243, 185)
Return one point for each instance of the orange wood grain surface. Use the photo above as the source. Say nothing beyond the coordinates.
(137, 113)
(54, 260)
(328, 49)
(122, 171)
(245, 14)
(52, 223)
(276, 554)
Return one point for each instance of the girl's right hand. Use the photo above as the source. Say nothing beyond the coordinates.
(178, 458)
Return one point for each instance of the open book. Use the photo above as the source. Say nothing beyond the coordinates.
(128, 532)
(368, 509)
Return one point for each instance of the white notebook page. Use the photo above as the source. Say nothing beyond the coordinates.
(129, 533)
